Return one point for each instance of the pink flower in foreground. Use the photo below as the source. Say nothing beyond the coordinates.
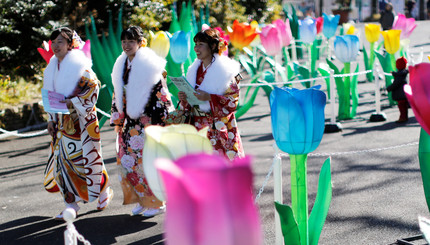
(406, 25)
(209, 201)
(418, 93)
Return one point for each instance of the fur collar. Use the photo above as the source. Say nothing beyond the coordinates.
(218, 77)
(146, 71)
(71, 70)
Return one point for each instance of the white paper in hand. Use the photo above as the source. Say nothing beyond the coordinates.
(183, 85)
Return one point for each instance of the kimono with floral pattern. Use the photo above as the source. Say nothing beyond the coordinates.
(143, 100)
(131, 140)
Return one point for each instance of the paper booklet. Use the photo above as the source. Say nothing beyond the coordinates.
(183, 85)
(51, 102)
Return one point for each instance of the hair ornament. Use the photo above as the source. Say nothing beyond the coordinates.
(144, 42)
(222, 45)
(77, 42)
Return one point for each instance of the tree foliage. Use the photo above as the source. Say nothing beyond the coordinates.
(25, 24)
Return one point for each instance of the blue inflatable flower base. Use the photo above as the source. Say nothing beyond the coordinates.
(332, 128)
(378, 117)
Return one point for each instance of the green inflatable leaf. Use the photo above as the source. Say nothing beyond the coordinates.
(322, 204)
(385, 61)
(326, 73)
(289, 227)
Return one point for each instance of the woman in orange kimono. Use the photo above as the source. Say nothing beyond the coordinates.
(215, 78)
(75, 166)
(141, 98)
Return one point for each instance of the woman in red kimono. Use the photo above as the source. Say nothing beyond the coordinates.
(215, 79)
(141, 98)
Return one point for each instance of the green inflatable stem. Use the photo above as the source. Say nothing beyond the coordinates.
(354, 94)
(299, 194)
(345, 104)
(424, 159)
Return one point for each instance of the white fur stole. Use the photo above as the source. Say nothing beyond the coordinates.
(146, 71)
(72, 68)
(218, 77)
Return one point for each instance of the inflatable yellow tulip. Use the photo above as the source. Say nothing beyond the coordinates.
(371, 31)
(391, 40)
(160, 43)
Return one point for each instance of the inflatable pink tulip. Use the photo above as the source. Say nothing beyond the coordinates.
(209, 201)
(284, 31)
(87, 48)
(406, 25)
(320, 24)
(271, 40)
(418, 93)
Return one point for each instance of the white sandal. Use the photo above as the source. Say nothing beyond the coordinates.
(138, 209)
(105, 198)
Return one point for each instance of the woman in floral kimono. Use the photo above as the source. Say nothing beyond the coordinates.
(141, 98)
(75, 166)
(215, 79)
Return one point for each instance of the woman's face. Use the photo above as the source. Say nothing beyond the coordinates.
(203, 51)
(130, 47)
(60, 47)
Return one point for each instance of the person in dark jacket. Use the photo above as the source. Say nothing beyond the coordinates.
(396, 88)
(387, 17)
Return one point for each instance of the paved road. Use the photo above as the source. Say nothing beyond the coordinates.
(377, 187)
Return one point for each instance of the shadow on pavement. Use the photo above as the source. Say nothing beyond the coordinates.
(36, 230)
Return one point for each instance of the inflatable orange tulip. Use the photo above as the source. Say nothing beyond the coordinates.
(242, 34)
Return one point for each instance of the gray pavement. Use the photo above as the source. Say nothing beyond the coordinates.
(377, 186)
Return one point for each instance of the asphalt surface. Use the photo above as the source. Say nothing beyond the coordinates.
(377, 186)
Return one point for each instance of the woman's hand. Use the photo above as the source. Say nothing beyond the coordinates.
(182, 98)
(68, 102)
(202, 95)
(51, 128)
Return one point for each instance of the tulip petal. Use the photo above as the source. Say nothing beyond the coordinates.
(180, 46)
(171, 142)
(87, 48)
(160, 43)
(219, 196)
(271, 40)
(308, 30)
(46, 55)
(346, 48)
(418, 93)
(180, 214)
(330, 25)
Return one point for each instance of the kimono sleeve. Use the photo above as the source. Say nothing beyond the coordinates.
(84, 102)
(117, 118)
(226, 104)
(159, 104)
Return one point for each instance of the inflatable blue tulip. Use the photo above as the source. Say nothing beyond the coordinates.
(307, 30)
(180, 46)
(297, 118)
(346, 48)
(330, 25)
